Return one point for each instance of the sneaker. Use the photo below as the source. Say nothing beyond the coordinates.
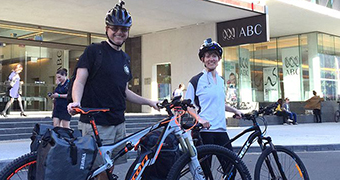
(295, 123)
(289, 120)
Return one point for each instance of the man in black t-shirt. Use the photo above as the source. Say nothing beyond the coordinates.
(108, 87)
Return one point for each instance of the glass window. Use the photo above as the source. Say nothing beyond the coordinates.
(39, 67)
(265, 72)
(164, 81)
(39, 33)
(97, 38)
(326, 44)
(290, 69)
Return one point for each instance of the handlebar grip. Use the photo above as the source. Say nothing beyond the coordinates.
(236, 116)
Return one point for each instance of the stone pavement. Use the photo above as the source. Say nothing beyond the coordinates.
(302, 137)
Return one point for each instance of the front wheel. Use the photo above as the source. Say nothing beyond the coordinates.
(22, 168)
(267, 167)
(217, 162)
(337, 116)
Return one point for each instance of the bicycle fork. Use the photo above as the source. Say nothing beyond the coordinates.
(194, 165)
(277, 161)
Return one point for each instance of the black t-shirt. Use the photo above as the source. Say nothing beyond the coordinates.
(61, 103)
(106, 89)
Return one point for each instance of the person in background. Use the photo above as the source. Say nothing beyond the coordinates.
(291, 114)
(15, 91)
(179, 91)
(60, 115)
(315, 104)
(279, 111)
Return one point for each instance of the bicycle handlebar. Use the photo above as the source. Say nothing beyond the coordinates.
(184, 104)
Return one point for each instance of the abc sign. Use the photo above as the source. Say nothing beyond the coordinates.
(248, 31)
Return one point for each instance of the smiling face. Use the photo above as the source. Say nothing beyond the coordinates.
(60, 78)
(117, 34)
(210, 60)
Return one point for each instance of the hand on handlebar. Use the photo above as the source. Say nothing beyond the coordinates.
(154, 104)
(71, 106)
(205, 123)
(237, 116)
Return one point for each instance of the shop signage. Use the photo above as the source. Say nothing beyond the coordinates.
(270, 83)
(242, 31)
(245, 79)
(291, 68)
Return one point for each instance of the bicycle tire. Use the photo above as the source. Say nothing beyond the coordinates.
(337, 116)
(20, 168)
(180, 169)
(291, 164)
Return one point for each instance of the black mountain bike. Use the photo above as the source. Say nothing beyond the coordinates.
(275, 162)
(192, 164)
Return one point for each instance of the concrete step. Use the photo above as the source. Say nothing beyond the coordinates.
(21, 128)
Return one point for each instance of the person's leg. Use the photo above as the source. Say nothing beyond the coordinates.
(290, 115)
(207, 138)
(21, 107)
(9, 103)
(279, 113)
(65, 124)
(294, 117)
(222, 139)
(315, 115)
(318, 112)
(56, 122)
(110, 135)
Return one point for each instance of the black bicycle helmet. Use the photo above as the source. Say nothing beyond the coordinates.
(118, 16)
(209, 45)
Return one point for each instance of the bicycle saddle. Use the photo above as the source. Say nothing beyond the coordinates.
(90, 111)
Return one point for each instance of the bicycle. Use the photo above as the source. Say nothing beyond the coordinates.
(337, 113)
(275, 162)
(191, 157)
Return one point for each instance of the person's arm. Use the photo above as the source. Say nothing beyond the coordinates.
(78, 89)
(193, 113)
(57, 95)
(135, 98)
(233, 110)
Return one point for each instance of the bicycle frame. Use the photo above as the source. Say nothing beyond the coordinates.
(170, 125)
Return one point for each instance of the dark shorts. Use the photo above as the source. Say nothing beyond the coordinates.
(61, 114)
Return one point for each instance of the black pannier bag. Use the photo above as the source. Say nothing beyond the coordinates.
(37, 133)
(36, 138)
(65, 155)
(168, 155)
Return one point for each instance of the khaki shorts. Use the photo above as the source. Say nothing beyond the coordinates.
(109, 135)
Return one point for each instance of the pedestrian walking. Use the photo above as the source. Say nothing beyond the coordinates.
(15, 90)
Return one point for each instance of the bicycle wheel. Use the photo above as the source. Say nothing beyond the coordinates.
(267, 168)
(22, 168)
(216, 162)
(337, 116)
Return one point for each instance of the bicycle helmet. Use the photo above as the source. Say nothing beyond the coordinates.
(118, 16)
(209, 45)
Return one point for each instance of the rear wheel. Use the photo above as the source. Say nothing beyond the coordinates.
(22, 168)
(268, 168)
(217, 162)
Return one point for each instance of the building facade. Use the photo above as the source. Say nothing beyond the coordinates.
(290, 65)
